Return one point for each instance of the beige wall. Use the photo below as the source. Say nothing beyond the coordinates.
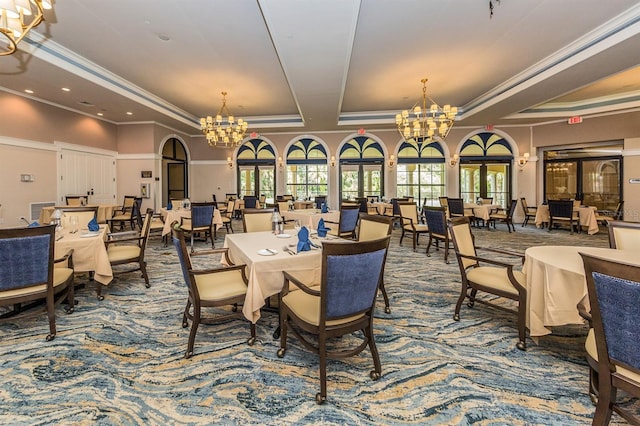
(34, 125)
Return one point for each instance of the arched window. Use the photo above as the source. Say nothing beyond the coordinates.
(485, 168)
(307, 172)
(256, 162)
(361, 168)
(421, 171)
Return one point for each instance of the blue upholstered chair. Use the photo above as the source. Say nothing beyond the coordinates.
(318, 200)
(201, 221)
(250, 201)
(27, 271)
(372, 227)
(436, 218)
(209, 288)
(342, 303)
(613, 342)
(488, 275)
(346, 227)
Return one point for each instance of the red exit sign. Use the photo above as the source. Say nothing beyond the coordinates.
(575, 120)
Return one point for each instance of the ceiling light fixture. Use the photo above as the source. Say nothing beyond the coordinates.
(224, 131)
(17, 18)
(426, 121)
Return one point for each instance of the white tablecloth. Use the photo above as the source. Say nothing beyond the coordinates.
(556, 284)
(175, 215)
(482, 211)
(265, 272)
(89, 253)
(311, 217)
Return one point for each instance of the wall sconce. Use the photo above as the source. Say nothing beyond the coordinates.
(453, 160)
(522, 161)
(333, 161)
(229, 162)
(280, 162)
(392, 160)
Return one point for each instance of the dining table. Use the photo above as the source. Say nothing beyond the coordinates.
(311, 217)
(482, 211)
(169, 216)
(265, 258)
(89, 251)
(556, 283)
(586, 217)
(105, 211)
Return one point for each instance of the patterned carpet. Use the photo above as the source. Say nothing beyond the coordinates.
(121, 360)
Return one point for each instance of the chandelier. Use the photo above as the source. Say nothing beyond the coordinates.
(17, 18)
(224, 129)
(426, 119)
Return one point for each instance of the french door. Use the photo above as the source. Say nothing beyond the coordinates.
(486, 180)
(361, 180)
(257, 180)
(87, 173)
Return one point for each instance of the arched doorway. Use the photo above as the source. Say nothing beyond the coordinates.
(176, 169)
(361, 168)
(256, 162)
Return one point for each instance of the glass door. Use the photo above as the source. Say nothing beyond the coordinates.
(267, 182)
(601, 183)
(360, 180)
(486, 180)
(256, 180)
(247, 176)
(349, 178)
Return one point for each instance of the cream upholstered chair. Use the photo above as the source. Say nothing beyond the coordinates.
(343, 304)
(200, 222)
(498, 278)
(76, 200)
(624, 235)
(128, 248)
(209, 288)
(257, 220)
(373, 227)
(84, 214)
(529, 212)
(504, 215)
(410, 222)
(606, 216)
(27, 271)
(127, 214)
(613, 342)
(227, 217)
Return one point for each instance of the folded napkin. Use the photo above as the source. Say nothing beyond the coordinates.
(33, 224)
(324, 208)
(322, 230)
(169, 205)
(303, 239)
(93, 225)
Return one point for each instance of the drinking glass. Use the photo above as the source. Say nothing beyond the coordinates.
(73, 221)
(296, 225)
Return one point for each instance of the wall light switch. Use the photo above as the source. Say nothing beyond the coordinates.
(27, 178)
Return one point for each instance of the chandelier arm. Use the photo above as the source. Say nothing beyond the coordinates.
(8, 33)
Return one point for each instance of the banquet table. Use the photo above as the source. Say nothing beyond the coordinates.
(556, 283)
(105, 211)
(169, 216)
(587, 217)
(89, 251)
(482, 211)
(264, 271)
(311, 217)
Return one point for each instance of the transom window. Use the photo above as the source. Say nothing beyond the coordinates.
(307, 171)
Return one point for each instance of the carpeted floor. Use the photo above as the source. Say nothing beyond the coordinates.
(121, 360)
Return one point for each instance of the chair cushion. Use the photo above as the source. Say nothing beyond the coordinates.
(496, 278)
(123, 252)
(590, 346)
(123, 217)
(307, 307)
(60, 276)
(220, 285)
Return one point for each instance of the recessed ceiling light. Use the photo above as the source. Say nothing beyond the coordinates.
(129, 113)
(28, 91)
(66, 89)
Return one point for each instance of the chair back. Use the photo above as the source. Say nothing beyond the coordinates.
(373, 198)
(250, 201)
(257, 220)
(362, 202)
(76, 200)
(230, 206)
(512, 209)
(230, 196)
(444, 201)
(577, 203)
(614, 291)
(127, 203)
(436, 218)
(319, 199)
(348, 218)
(525, 206)
(283, 206)
(456, 206)
(351, 275)
(26, 258)
(373, 227)
(408, 210)
(624, 235)
(263, 199)
(201, 214)
(463, 241)
(84, 214)
(561, 208)
(184, 258)
(144, 231)
(488, 200)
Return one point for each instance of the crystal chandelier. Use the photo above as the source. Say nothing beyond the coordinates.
(17, 18)
(425, 121)
(223, 131)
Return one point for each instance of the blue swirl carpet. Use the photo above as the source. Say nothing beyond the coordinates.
(121, 361)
